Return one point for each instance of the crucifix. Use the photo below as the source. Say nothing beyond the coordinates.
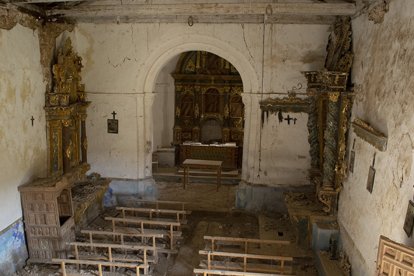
(288, 119)
(32, 119)
(113, 114)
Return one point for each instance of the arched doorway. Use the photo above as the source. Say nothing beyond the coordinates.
(149, 72)
(201, 97)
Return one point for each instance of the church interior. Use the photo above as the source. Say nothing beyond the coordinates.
(206, 137)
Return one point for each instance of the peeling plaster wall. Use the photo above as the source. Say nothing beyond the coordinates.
(121, 60)
(22, 146)
(382, 73)
(284, 158)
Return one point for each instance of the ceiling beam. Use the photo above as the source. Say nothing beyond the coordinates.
(269, 9)
(43, 1)
(211, 19)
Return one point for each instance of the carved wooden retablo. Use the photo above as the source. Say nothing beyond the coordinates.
(66, 114)
(207, 96)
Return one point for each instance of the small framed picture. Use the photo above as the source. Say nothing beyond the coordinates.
(112, 126)
(371, 179)
(409, 219)
(352, 161)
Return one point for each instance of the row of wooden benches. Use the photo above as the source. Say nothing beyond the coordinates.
(241, 256)
(138, 235)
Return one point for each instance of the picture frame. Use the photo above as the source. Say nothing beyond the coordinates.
(352, 161)
(371, 179)
(112, 126)
(409, 219)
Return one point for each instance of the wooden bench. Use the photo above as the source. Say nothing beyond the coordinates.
(101, 264)
(206, 272)
(111, 253)
(172, 233)
(173, 205)
(249, 262)
(215, 243)
(178, 215)
(129, 236)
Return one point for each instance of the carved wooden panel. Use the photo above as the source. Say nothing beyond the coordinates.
(47, 213)
(207, 87)
(394, 259)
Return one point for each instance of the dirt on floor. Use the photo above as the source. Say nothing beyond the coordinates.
(200, 224)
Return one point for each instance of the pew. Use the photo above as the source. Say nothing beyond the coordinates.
(172, 227)
(100, 265)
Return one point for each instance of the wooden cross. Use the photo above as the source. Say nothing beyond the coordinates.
(113, 114)
(32, 119)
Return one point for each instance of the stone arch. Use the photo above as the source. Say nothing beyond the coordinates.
(148, 75)
(195, 42)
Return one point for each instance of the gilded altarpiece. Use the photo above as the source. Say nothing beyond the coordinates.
(208, 105)
(66, 114)
(330, 102)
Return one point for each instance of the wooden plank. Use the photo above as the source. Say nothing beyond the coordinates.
(153, 210)
(114, 246)
(232, 273)
(249, 267)
(249, 240)
(109, 264)
(115, 233)
(157, 203)
(144, 221)
(251, 8)
(242, 255)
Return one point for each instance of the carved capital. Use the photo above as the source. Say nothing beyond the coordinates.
(333, 96)
(328, 199)
(67, 123)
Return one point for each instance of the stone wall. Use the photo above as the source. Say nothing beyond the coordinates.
(382, 74)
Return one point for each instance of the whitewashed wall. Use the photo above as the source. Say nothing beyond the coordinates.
(124, 60)
(163, 109)
(22, 147)
(382, 73)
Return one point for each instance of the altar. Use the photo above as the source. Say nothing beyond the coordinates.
(228, 153)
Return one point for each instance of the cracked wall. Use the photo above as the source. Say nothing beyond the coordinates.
(22, 145)
(382, 74)
(116, 56)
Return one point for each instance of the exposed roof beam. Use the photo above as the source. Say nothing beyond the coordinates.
(216, 19)
(43, 1)
(270, 9)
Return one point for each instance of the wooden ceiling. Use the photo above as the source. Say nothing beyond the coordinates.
(200, 11)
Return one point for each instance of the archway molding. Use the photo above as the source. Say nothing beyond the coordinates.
(153, 65)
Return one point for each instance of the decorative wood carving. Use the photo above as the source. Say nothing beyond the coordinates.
(330, 104)
(394, 258)
(66, 114)
(207, 87)
(369, 134)
(339, 50)
(287, 104)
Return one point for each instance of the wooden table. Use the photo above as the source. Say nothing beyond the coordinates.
(202, 164)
